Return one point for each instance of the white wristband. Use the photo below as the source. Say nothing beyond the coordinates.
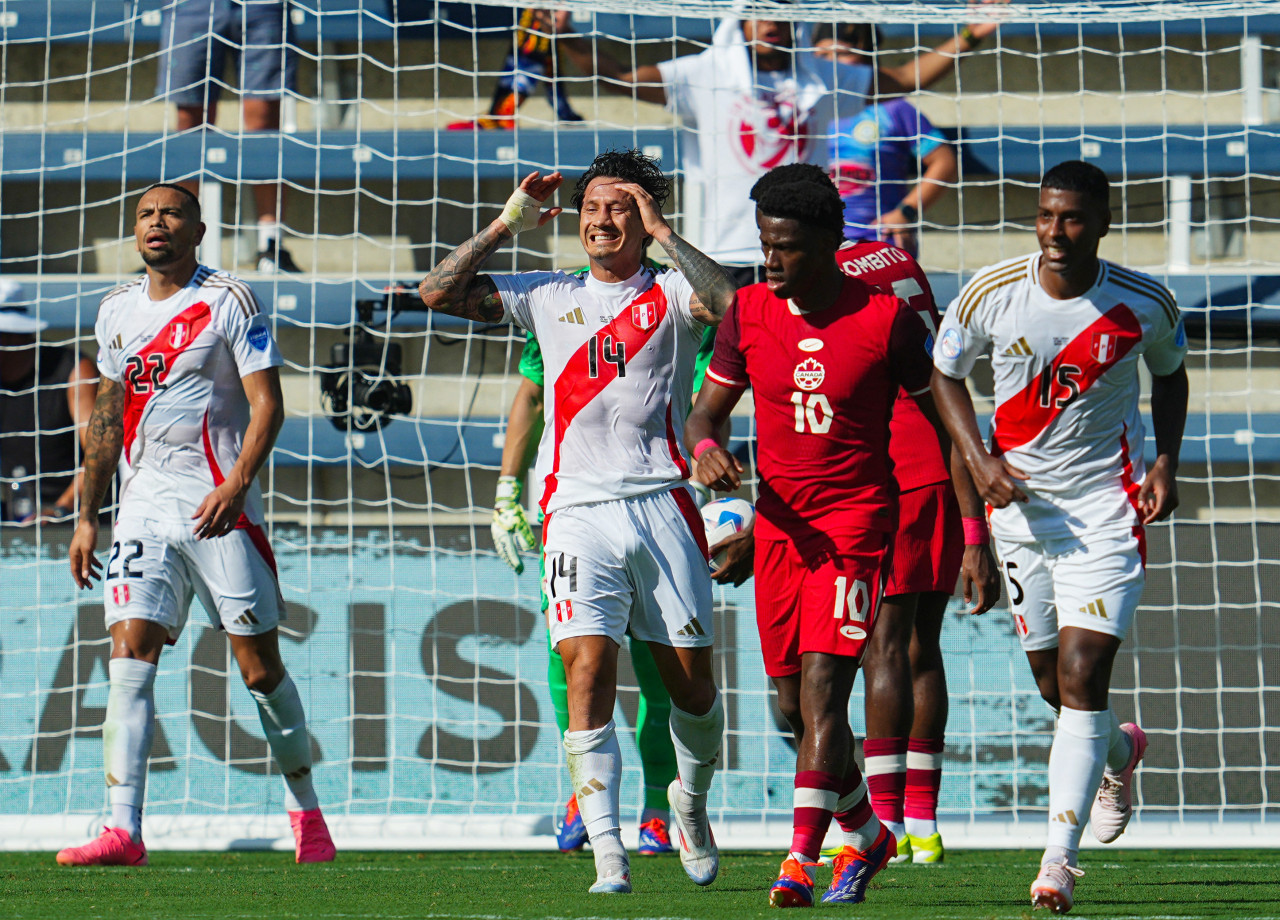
(521, 212)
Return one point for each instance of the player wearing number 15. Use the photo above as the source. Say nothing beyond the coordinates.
(1065, 476)
(625, 546)
(189, 406)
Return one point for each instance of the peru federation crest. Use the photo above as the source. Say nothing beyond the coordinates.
(179, 334)
(644, 314)
(1104, 347)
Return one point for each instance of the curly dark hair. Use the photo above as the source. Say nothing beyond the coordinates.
(1079, 176)
(801, 192)
(629, 166)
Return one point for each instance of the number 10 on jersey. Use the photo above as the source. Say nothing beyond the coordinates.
(813, 412)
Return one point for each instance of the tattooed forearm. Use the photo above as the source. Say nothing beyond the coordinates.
(713, 287)
(453, 286)
(103, 442)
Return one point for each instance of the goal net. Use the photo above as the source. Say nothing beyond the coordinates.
(421, 657)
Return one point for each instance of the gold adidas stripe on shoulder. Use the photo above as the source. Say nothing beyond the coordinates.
(241, 292)
(1141, 284)
(981, 286)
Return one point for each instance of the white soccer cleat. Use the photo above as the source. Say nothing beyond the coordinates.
(613, 879)
(1055, 887)
(698, 851)
(1113, 807)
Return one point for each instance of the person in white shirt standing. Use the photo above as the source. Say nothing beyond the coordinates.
(754, 100)
(625, 547)
(189, 408)
(1065, 477)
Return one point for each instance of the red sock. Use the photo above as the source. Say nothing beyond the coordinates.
(924, 778)
(815, 799)
(854, 809)
(886, 760)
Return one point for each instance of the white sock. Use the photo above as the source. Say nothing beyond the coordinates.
(595, 769)
(1076, 760)
(1120, 747)
(696, 740)
(864, 837)
(126, 740)
(899, 829)
(285, 725)
(268, 234)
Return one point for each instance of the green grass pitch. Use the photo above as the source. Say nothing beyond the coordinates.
(983, 885)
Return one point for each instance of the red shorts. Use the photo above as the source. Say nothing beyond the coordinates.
(827, 603)
(929, 545)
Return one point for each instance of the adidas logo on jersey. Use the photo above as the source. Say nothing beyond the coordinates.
(118, 342)
(574, 316)
(1095, 608)
(1019, 348)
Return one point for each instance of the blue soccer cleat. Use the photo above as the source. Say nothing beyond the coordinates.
(853, 869)
(571, 833)
(655, 839)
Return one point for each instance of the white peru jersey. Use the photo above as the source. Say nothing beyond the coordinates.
(180, 361)
(619, 376)
(1066, 388)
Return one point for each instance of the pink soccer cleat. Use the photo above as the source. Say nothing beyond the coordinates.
(311, 835)
(114, 848)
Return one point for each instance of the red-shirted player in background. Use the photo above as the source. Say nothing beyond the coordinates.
(902, 753)
(826, 356)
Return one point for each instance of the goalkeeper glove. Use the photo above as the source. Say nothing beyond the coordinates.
(510, 528)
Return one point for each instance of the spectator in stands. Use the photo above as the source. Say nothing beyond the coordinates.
(46, 395)
(873, 154)
(532, 62)
(753, 101)
(195, 36)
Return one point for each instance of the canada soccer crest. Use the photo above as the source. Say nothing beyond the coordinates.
(809, 374)
(1104, 347)
(644, 315)
(179, 334)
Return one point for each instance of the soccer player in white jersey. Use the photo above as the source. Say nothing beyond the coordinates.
(625, 546)
(189, 407)
(1065, 477)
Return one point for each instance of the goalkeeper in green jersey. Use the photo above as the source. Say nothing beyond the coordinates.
(512, 534)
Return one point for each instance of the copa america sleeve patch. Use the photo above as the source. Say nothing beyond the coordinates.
(951, 345)
(259, 338)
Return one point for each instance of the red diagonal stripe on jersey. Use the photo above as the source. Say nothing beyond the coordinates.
(196, 317)
(575, 388)
(256, 534)
(1021, 418)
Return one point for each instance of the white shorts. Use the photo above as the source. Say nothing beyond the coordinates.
(1056, 583)
(154, 568)
(635, 564)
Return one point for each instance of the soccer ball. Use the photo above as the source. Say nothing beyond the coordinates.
(723, 518)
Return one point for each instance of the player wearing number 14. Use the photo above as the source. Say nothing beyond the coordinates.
(189, 406)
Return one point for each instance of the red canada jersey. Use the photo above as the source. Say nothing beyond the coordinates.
(913, 444)
(824, 385)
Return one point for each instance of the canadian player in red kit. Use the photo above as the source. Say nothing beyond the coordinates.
(902, 753)
(826, 356)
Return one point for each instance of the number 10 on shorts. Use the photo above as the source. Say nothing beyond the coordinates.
(852, 601)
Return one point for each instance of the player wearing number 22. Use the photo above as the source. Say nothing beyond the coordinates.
(625, 546)
(189, 407)
(1065, 476)
(826, 355)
